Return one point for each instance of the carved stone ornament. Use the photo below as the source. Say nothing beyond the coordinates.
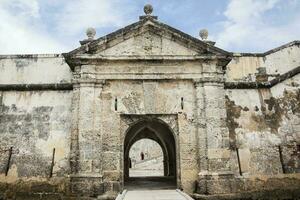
(148, 9)
(90, 32)
(203, 34)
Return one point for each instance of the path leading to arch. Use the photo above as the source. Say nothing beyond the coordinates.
(155, 195)
(152, 188)
(150, 183)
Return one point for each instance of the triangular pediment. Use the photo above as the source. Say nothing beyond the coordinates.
(147, 37)
(148, 43)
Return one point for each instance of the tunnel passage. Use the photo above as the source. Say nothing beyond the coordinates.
(161, 133)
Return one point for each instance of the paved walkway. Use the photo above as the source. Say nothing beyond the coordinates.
(152, 188)
(155, 195)
(150, 183)
(145, 172)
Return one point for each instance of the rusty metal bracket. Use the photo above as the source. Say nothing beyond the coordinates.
(52, 163)
(281, 159)
(8, 161)
(239, 161)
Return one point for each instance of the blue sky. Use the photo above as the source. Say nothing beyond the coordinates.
(56, 26)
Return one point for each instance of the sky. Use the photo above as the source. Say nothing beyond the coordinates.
(57, 26)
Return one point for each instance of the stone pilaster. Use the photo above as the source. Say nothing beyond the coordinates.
(89, 127)
(213, 137)
(74, 141)
(201, 125)
(97, 165)
(86, 139)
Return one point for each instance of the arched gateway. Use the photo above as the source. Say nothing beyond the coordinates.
(227, 123)
(158, 131)
(147, 80)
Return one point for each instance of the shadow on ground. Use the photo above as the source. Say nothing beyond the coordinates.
(150, 183)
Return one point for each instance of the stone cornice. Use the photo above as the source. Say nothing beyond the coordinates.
(36, 87)
(86, 82)
(267, 84)
(150, 57)
(212, 80)
(84, 59)
(101, 82)
(293, 43)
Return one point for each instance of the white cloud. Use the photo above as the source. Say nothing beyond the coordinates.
(22, 8)
(24, 29)
(54, 26)
(19, 29)
(81, 14)
(247, 29)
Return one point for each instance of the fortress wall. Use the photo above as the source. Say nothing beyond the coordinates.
(278, 61)
(261, 120)
(34, 69)
(34, 123)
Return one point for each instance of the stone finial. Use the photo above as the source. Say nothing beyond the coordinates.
(203, 34)
(148, 9)
(90, 32)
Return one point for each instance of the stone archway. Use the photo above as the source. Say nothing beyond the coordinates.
(157, 130)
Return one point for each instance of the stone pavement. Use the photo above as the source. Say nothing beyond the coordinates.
(150, 183)
(145, 172)
(152, 188)
(155, 195)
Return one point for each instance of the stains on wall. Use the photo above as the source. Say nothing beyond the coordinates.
(37, 188)
(21, 130)
(265, 117)
(132, 102)
(263, 127)
(33, 130)
(15, 121)
(37, 69)
(274, 110)
(20, 63)
(291, 158)
(233, 112)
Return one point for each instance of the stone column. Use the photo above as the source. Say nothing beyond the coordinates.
(86, 139)
(213, 136)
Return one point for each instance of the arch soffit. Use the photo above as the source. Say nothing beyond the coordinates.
(153, 137)
(157, 127)
(153, 124)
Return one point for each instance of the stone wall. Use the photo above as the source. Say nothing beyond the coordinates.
(229, 140)
(264, 123)
(264, 132)
(34, 69)
(33, 123)
(243, 67)
(161, 98)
